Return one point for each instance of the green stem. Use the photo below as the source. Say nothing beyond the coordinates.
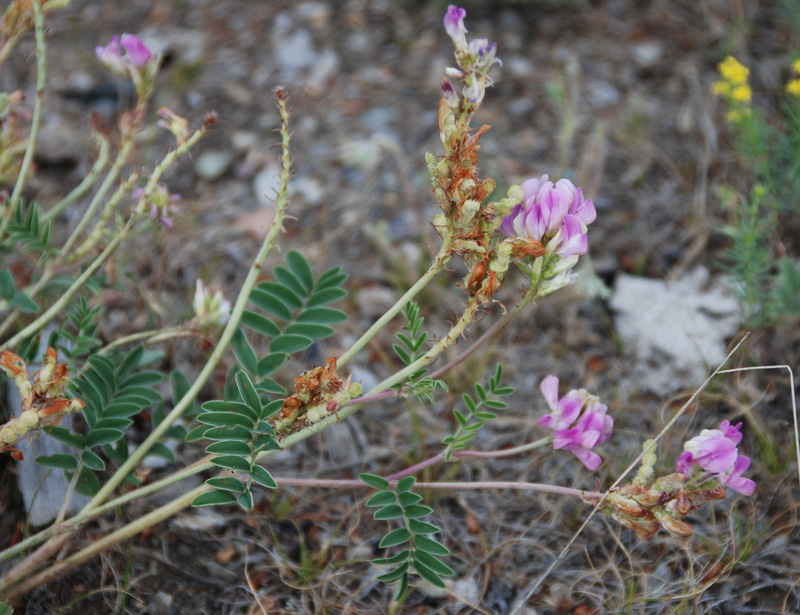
(111, 177)
(151, 337)
(83, 187)
(227, 334)
(38, 21)
(439, 261)
(119, 237)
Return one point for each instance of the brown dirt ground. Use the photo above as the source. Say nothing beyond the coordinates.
(648, 143)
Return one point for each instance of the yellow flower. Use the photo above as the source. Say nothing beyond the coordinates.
(796, 66)
(733, 116)
(722, 88)
(793, 87)
(742, 93)
(731, 70)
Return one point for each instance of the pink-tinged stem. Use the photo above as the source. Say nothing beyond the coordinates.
(357, 484)
(507, 452)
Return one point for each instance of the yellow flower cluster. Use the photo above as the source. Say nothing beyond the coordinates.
(733, 84)
(733, 87)
(793, 87)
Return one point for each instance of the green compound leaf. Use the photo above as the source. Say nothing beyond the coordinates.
(470, 403)
(325, 296)
(301, 268)
(399, 558)
(232, 462)
(405, 484)
(284, 293)
(237, 432)
(376, 482)
(225, 419)
(429, 545)
(60, 461)
(429, 561)
(391, 511)
(290, 344)
(402, 588)
(322, 316)
(270, 304)
(142, 379)
(249, 394)
(25, 304)
(382, 498)
(88, 484)
(270, 363)
(7, 286)
(93, 461)
(97, 437)
(66, 436)
(260, 475)
(287, 278)
(229, 447)
(271, 408)
(159, 450)
(244, 351)
(226, 484)
(426, 573)
(502, 392)
(407, 498)
(219, 405)
(421, 527)
(315, 332)
(331, 279)
(213, 498)
(246, 500)
(260, 323)
(394, 574)
(417, 511)
(395, 537)
(495, 405)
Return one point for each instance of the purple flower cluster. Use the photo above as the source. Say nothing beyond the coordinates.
(552, 213)
(715, 451)
(475, 59)
(579, 421)
(136, 56)
(161, 203)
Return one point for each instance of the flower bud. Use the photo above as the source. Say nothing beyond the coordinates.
(467, 213)
(29, 419)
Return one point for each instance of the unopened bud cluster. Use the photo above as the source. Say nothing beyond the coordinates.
(43, 400)
(210, 309)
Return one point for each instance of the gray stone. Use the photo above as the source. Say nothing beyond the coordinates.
(212, 165)
(266, 184)
(43, 489)
(677, 329)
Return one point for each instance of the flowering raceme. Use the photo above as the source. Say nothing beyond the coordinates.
(715, 452)
(138, 63)
(579, 421)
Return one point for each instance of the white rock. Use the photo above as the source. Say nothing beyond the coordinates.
(212, 165)
(199, 520)
(266, 184)
(677, 329)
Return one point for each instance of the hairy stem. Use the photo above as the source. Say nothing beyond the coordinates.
(40, 322)
(36, 121)
(83, 187)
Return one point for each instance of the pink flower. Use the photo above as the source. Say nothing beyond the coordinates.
(454, 26)
(111, 56)
(137, 52)
(579, 421)
(552, 212)
(715, 451)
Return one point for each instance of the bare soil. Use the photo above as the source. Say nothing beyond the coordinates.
(615, 94)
